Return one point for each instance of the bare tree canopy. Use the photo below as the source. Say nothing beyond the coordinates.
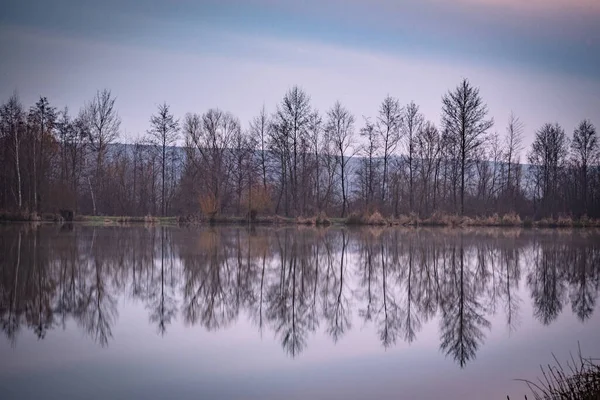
(163, 133)
(464, 118)
(295, 161)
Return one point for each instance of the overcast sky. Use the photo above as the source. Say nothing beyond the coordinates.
(539, 58)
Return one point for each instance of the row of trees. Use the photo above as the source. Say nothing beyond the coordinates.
(295, 283)
(295, 161)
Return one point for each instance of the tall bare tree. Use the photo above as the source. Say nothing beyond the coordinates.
(12, 118)
(291, 122)
(259, 129)
(412, 122)
(513, 146)
(428, 150)
(547, 157)
(42, 118)
(388, 129)
(584, 150)
(315, 140)
(103, 128)
(370, 166)
(340, 128)
(464, 116)
(163, 133)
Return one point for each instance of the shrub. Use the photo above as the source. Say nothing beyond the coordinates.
(376, 219)
(322, 219)
(354, 219)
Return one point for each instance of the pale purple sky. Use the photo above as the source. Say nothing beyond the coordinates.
(540, 60)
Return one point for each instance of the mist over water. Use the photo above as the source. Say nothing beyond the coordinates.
(237, 312)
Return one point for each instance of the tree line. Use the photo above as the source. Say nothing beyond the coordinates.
(295, 161)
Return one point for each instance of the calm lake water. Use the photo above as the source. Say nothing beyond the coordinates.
(295, 313)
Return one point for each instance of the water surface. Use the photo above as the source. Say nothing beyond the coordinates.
(291, 312)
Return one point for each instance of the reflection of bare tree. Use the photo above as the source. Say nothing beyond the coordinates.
(367, 276)
(9, 316)
(288, 308)
(546, 281)
(462, 321)
(511, 275)
(163, 306)
(336, 304)
(39, 313)
(584, 279)
(208, 295)
(412, 319)
(98, 310)
(289, 280)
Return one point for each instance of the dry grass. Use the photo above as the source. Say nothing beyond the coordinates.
(19, 216)
(322, 219)
(579, 380)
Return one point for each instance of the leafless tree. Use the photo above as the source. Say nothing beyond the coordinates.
(290, 123)
(370, 167)
(163, 133)
(315, 140)
(103, 127)
(411, 125)
(12, 119)
(464, 117)
(259, 128)
(340, 128)
(42, 118)
(388, 129)
(584, 150)
(513, 145)
(428, 150)
(548, 156)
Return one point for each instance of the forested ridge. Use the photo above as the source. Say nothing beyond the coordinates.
(294, 160)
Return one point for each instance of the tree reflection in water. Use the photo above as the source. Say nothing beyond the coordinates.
(293, 281)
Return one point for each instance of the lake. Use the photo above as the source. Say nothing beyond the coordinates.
(110, 312)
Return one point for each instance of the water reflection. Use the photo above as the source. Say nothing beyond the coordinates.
(295, 282)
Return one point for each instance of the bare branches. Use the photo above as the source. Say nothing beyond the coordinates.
(464, 119)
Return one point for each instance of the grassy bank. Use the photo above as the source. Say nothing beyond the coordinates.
(107, 220)
(355, 219)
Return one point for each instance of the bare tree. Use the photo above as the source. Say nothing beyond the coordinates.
(12, 119)
(428, 150)
(315, 140)
(291, 122)
(42, 119)
(413, 120)
(163, 133)
(388, 129)
(259, 129)
(369, 151)
(464, 117)
(103, 128)
(208, 140)
(340, 127)
(547, 157)
(513, 146)
(584, 150)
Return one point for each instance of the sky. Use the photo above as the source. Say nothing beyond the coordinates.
(537, 58)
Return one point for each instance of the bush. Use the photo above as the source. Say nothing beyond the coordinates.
(354, 219)
(322, 219)
(376, 219)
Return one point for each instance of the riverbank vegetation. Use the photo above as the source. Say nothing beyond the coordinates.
(578, 379)
(293, 163)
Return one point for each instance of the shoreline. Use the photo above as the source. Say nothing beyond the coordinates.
(375, 219)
